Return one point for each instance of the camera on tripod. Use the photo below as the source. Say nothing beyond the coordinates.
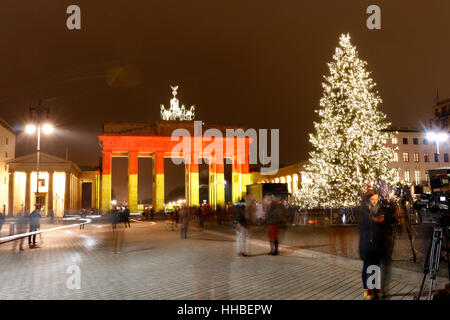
(435, 204)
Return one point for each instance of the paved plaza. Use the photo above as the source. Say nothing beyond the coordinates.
(154, 263)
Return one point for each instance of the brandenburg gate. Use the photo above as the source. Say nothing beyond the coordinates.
(154, 140)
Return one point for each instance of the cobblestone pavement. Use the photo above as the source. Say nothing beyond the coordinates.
(154, 263)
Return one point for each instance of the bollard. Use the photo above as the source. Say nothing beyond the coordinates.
(11, 228)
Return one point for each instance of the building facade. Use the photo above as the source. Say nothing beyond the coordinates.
(7, 152)
(61, 185)
(414, 155)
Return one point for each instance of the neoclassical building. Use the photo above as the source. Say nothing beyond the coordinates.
(63, 185)
(7, 152)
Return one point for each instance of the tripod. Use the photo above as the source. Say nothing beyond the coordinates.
(408, 227)
(432, 261)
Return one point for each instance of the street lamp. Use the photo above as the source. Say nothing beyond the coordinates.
(31, 128)
(437, 137)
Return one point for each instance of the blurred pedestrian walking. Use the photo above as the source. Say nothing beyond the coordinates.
(241, 225)
(35, 224)
(184, 221)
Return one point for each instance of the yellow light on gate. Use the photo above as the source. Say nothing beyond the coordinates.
(30, 128)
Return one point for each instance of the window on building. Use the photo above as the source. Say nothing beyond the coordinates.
(7, 141)
(405, 157)
(41, 182)
(436, 157)
(426, 157)
(415, 141)
(405, 140)
(416, 157)
(427, 177)
(6, 154)
(445, 157)
(394, 140)
(425, 141)
(416, 177)
(407, 176)
(395, 156)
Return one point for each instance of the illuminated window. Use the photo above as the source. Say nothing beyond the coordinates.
(427, 177)
(395, 156)
(407, 176)
(417, 177)
(397, 176)
(426, 157)
(405, 157)
(394, 140)
(416, 157)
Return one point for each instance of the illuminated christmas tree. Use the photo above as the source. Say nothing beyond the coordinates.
(349, 142)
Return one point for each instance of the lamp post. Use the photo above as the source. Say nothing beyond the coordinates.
(437, 137)
(31, 129)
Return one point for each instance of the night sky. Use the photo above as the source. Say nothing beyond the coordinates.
(253, 63)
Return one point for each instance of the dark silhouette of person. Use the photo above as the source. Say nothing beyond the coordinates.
(114, 218)
(152, 213)
(375, 220)
(2, 221)
(126, 217)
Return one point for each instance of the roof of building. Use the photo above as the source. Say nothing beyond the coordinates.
(7, 126)
(46, 161)
(157, 128)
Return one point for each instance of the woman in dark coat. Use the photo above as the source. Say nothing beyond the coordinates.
(374, 237)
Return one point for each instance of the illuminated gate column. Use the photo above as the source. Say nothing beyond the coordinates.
(133, 181)
(212, 183)
(158, 181)
(192, 182)
(220, 185)
(236, 181)
(106, 182)
(216, 183)
(246, 178)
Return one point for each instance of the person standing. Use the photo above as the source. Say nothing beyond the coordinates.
(126, 216)
(152, 213)
(35, 224)
(373, 242)
(272, 221)
(241, 227)
(2, 221)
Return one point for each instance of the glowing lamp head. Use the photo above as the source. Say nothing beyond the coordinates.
(47, 128)
(30, 128)
(431, 136)
(442, 136)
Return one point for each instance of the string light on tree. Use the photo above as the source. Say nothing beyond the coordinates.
(349, 154)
